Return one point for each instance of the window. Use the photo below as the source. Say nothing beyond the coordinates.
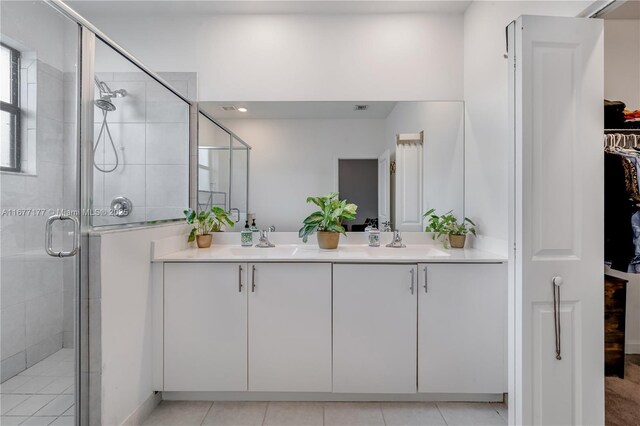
(9, 109)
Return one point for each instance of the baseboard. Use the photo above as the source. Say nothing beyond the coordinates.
(144, 410)
(632, 347)
(313, 396)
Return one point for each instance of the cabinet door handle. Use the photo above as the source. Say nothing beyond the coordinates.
(426, 281)
(253, 279)
(413, 279)
(239, 278)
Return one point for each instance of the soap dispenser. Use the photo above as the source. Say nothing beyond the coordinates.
(246, 236)
(254, 228)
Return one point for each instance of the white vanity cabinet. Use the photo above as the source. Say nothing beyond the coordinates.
(205, 327)
(290, 327)
(344, 328)
(462, 328)
(374, 328)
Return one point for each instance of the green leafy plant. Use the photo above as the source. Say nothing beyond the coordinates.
(206, 221)
(330, 216)
(447, 224)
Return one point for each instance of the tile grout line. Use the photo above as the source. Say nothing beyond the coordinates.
(205, 414)
(384, 420)
(441, 415)
(264, 415)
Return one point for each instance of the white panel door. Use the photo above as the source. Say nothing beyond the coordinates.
(384, 188)
(558, 219)
(290, 327)
(205, 327)
(462, 325)
(408, 193)
(374, 328)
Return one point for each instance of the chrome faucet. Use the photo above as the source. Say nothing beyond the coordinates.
(264, 242)
(386, 226)
(397, 240)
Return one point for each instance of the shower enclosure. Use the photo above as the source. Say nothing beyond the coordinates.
(90, 138)
(223, 170)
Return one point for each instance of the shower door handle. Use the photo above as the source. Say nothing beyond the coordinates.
(238, 211)
(48, 232)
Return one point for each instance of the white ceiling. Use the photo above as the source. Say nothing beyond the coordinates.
(297, 110)
(629, 9)
(88, 8)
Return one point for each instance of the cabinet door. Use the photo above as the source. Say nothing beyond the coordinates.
(374, 328)
(205, 327)
(290, 327)
(462, 328)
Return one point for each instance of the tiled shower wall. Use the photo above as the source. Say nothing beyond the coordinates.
(31, 282)
(150, 129)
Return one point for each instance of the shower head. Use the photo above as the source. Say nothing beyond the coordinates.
(106, 94)
(105, 104)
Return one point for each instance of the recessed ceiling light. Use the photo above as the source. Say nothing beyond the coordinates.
(242, 109)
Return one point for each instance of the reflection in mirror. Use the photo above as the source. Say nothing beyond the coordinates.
(302, 149)
(223, 170)
(214, 147)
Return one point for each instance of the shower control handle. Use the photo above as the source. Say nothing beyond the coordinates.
(48, 232)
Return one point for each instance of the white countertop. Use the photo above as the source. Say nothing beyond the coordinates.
(345, 253)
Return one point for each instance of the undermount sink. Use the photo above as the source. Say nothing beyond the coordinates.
(417, 251)
(358, 251)
(283, 250)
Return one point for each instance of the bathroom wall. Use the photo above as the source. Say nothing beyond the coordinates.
(150, 129)
(272, 57)
(292, 159)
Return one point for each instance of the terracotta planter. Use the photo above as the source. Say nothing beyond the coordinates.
(204, 241)
(457, 241)
(328, 240)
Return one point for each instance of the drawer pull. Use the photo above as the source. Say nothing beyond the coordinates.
(239, 278)
(426, 281)
(253, 279)
(413, 279)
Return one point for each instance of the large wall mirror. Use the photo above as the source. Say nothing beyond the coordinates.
(395, 160)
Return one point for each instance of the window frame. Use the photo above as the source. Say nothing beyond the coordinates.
(13, 108)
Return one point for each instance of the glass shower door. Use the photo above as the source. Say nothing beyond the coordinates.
(239, 183)
(39, 266)
(214, 165)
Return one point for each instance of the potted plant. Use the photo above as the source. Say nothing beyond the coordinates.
(327, 221)
(204, 223)
(447, 225)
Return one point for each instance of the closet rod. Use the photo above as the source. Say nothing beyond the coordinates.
(624, 131)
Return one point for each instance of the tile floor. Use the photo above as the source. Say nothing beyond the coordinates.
(173, 413)
(41, 395)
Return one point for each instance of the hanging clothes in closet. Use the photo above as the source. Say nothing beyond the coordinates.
(622, 202)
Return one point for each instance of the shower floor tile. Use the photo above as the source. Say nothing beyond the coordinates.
(42, 394)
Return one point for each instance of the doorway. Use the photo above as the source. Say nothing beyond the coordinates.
(358, 183)
(622, 277)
